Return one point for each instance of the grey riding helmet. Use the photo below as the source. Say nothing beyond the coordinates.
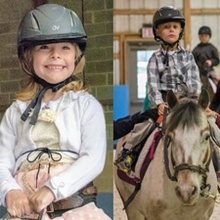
(50, 23)
(167, 14)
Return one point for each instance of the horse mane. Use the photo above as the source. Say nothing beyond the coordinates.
(187, 113)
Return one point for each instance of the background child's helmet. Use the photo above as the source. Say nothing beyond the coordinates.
(50, 23)
(205, 30)
(167, 14)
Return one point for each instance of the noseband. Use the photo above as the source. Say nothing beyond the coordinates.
(186, 166)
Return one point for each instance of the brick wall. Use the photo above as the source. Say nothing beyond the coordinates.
(99, 70)
(98, 23)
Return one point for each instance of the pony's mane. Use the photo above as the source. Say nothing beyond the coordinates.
(187, 113)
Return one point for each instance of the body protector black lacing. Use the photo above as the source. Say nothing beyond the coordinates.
(50, 152)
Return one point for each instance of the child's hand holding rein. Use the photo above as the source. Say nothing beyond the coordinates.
(161, 108)
(17, 203)
(41, 199)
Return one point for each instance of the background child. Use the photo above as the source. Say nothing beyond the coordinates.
(171, 65)
(52, 138)
(206, 56)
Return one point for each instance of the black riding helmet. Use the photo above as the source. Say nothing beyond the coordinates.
(205, 30)
(167, 14)
(49, 23)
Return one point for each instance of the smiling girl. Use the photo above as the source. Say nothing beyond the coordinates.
(52, 138)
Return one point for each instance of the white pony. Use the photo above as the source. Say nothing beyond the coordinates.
(180, 183)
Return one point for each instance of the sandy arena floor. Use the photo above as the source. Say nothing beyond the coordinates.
(119, 214)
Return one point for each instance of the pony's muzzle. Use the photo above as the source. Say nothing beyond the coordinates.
(187, 193)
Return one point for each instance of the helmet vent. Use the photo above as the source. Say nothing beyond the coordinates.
(72, 19)
(35, 22)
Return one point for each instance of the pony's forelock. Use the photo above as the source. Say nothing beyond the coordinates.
(186, 113)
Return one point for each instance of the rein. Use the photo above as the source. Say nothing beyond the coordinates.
(187, 166)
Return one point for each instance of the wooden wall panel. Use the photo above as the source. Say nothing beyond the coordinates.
(178, 4)
(187, 14)
(134, 23)
(150, 4)
(121, 4)
(148, 19)
(196, 4)
(196, 22)
(137, 4)
(165, 3)
(121, 23)
(210, 4)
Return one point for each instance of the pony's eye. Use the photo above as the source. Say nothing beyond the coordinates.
(207, 137)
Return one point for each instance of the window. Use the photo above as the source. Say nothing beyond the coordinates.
(142, 60)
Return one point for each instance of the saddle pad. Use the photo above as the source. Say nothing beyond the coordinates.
(149, 156)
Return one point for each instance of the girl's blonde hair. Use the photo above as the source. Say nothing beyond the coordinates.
(30, 88)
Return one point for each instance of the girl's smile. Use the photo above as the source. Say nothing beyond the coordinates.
(55, 67)
(54, 62)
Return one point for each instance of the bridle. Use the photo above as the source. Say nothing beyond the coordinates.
(187, 166)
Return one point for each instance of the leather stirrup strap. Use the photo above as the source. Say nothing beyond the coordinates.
(131, 197)
(165, 113)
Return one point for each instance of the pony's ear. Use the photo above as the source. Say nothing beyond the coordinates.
(204, 99)
(172, 100)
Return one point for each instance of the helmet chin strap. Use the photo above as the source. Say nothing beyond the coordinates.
(36, 102)
(169, 45)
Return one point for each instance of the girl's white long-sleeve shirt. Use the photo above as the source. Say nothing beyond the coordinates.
(81, 126)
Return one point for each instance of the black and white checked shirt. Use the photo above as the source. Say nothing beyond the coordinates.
(182, 69)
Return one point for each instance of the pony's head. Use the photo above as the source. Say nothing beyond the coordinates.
(188, 130)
